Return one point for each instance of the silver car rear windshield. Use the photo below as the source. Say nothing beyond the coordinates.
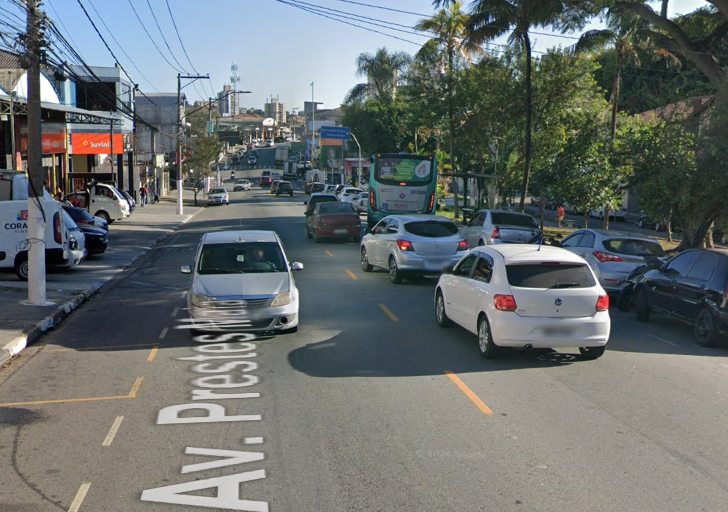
(550, 275)
(241, 258)
(513, 219)
(632, 247)
(431, 228)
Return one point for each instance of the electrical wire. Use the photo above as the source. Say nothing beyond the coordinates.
(152, 39)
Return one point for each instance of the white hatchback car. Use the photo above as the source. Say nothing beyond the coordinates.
(218, 195)
(242, 281)
(525, 296)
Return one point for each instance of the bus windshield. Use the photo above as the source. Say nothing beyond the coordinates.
(404, 170)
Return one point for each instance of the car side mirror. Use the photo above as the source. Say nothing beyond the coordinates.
(186, 269)
(296, 266)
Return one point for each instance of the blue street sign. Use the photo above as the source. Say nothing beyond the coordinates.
(334, 132)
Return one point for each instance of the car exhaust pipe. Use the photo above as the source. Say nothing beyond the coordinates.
(528, 347)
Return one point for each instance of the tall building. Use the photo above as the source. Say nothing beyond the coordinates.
(228, 103)
(276, 110)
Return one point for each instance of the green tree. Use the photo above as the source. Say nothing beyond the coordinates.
(203, 153)
(383, 72)
(449, 29)
(379, 126)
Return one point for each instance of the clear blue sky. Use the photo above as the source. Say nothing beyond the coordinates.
(279, 49)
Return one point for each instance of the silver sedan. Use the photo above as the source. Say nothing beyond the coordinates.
(612, 255)
(412, 244)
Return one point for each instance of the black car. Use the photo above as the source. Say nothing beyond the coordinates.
(284, 188)
(692, 287)
(97, 240)
(84, 218)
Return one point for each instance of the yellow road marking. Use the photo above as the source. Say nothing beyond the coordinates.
(469, 393)
(112, 433)
(328, 253)
(351, 275)
(110, 347)
(80, 496)
(163, 333)
(153, 354)
(388, 313)
(132, 394)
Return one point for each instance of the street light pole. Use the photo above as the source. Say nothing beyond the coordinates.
(358, 174)
(313, 123)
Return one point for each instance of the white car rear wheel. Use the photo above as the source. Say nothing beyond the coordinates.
(488, 349)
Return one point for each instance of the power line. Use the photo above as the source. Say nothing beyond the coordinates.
(151, 39)
(61, 21)
(164, 38)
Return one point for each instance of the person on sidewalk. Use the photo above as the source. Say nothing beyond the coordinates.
(143, 194)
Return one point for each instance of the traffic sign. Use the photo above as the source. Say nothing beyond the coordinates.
(334, 132)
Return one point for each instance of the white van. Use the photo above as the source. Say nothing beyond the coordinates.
(101, 200)
(65, 245)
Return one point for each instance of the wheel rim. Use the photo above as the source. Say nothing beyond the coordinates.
(24, 269)
(483, 337)
(440, 310)
(364, 259)
(704, 325)
(392, 269)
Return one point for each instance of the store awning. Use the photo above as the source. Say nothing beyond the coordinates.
(73, 115)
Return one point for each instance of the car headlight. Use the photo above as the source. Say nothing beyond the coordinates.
(201, 301)
(282, 299)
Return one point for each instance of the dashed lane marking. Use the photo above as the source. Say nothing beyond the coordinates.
(163, 333)
(183, 295)
(105, 347)
(328, 253)
(351, 275)
(469, 393)
(112, 432)
(80, 496)
(174, 312)
(132, 394)
(387, 312)
(153, 354)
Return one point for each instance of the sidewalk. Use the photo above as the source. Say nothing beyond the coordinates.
(129, 240)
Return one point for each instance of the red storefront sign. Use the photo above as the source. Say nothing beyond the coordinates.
(52, 143)
(96, 143)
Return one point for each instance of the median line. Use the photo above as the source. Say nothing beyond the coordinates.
(328, 253)
(351, 275)
(80, 496)
(469, 393)
(112, 432)
(387, 312)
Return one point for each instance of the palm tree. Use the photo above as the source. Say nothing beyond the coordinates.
(490, 19)
(627, 34)
(383, 71)
(449, 30)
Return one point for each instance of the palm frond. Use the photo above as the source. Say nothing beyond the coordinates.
(594, 40)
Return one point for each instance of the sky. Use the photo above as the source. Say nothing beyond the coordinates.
(279, 49)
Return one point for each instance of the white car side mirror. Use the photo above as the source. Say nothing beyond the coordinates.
(186, 269)
(296, 266)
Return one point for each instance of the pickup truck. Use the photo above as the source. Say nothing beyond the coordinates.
(488, 227)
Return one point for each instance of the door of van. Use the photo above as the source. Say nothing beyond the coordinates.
(105, 203)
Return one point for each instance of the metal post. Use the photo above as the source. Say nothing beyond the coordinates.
(179, 145)
(14, 165)
(313, 125)
(36, 215)
(358, 174)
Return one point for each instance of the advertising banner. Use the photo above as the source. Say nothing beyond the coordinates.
(332, 156)
(52, 143)
(96, 143)
(405, 170)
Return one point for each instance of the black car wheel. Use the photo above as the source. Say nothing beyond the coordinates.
(705, 330)
(642, 311)
(624, 300)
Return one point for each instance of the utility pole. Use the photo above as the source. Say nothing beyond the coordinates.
(14, 165)
(313, 124)
(36, 215)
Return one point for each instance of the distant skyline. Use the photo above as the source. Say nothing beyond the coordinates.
(279, 48)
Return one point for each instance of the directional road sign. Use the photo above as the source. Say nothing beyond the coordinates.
(334, 132)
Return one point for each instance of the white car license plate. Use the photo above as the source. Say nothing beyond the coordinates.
(339, 231)
(558, 331)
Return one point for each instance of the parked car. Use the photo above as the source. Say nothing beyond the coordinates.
(488, 227)
(691, 287)
(412, 245)
(130, 200)
(316, 198)
(274, 185)
(349, 194)
(97, 240)
(265, 181)
(333, 220)
(521, 296)
(84, 218)
(618, 215)
(242, 281)
(284, 187)
(241, 184)
(612, 255)
(218, 195)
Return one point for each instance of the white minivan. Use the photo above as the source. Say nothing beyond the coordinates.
(102, 200)
(65, 244)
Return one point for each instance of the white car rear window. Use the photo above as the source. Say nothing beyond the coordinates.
(550, 275)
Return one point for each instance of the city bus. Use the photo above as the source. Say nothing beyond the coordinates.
(401, 183)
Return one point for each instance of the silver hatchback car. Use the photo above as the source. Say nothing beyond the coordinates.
(412, 244)
(612, 255)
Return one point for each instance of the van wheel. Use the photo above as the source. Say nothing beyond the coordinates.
(104, 216)
(21, 266)
(705, 330)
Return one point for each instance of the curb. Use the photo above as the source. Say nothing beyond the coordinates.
(29, 336)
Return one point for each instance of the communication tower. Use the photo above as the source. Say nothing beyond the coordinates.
(234, 81)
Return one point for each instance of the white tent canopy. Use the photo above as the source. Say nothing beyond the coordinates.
(47, 93)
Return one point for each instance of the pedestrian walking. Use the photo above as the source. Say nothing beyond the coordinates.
(143, 194)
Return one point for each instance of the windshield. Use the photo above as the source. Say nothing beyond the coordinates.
(431, 228)
(403, 169)
(547, 275)
(241, 258)
(336, 208)
(217, 191)
(70, 223)
(634, 247)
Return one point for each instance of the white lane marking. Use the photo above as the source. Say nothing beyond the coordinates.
(80, 496)
(663, 340)
(174, 312)
(164, 333)
(112, 433)
(253, 440)
(184, 294)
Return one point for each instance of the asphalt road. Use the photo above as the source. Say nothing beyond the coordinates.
(369, 406)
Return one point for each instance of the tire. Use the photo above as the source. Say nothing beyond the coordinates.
(308, 233)
(480, 242)
(488, 349)
(440, 314)
(705, 330)
(365, 266)
(395, 274)
(591, 353)
(642, 306)
(104, 215)
(21, 266)
(315, 237)
(625, 298)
